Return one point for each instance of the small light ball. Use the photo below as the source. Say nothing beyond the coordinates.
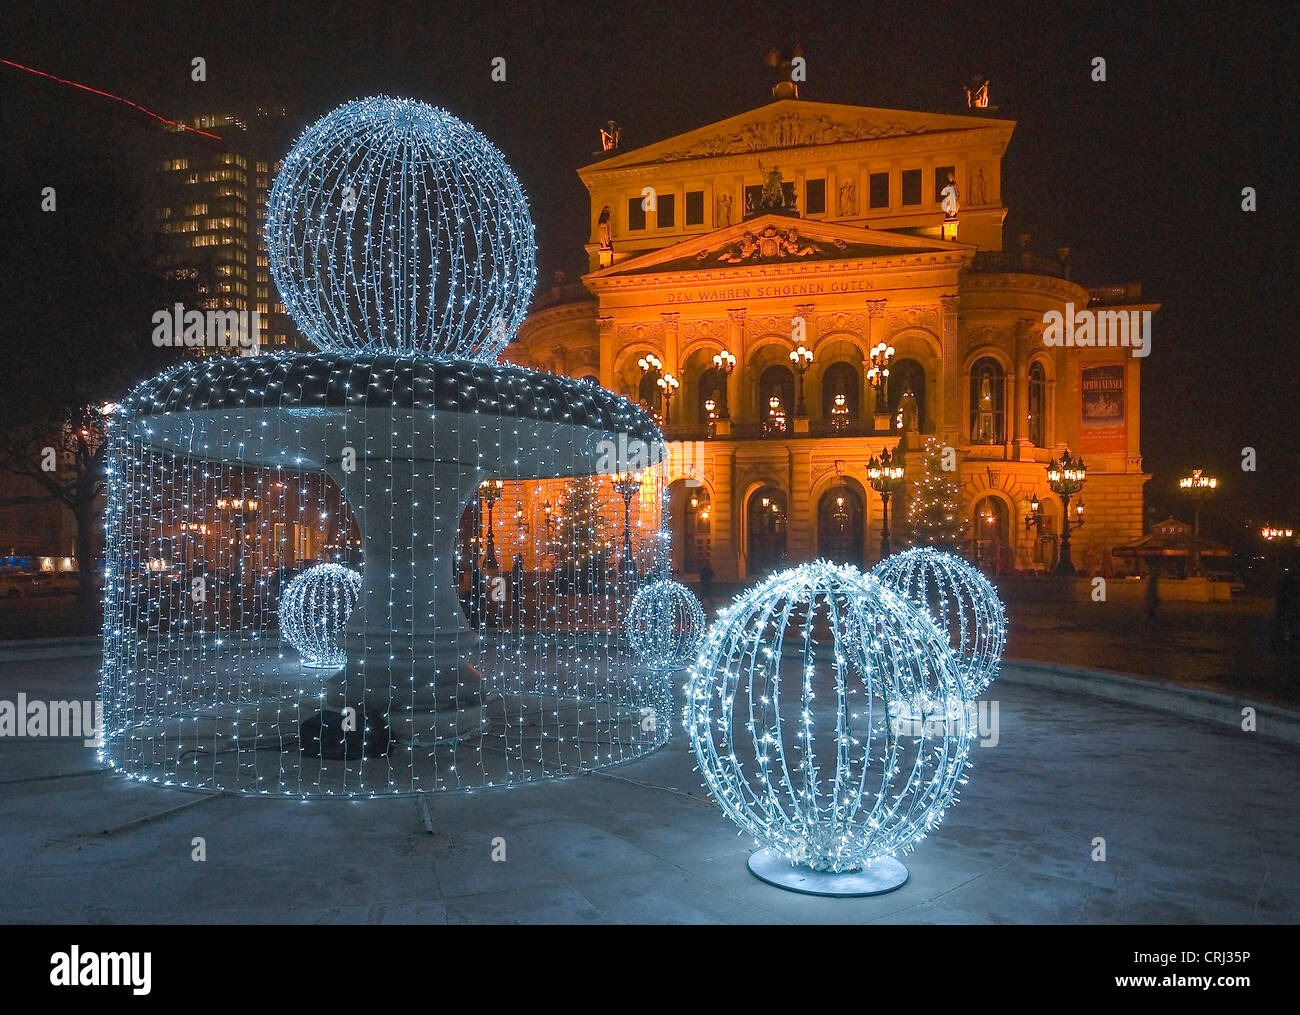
(665, 624)
(314, 609)
(963, 603)
(828, 717)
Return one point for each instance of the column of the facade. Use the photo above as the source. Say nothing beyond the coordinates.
(950, 427)
(1021, 351)
(799, 544)
(723, 529)
(605, 331)
(736, 345)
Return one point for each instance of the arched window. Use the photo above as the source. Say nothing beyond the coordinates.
(839, 525)
(712, 384)
(840, 379)
(779, 381)
(766, 517)
(908, 375)
(1037, 405)
(988, 423)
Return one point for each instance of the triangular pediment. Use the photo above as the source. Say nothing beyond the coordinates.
(777, 239)
(794, 123)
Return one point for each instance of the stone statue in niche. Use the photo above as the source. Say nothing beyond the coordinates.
(848, 199)
(907, 405)
(606, 228)
(978, 187)
(722, 215)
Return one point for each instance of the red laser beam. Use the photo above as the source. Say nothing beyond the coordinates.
(115, 98)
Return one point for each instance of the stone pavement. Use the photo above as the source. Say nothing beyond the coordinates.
(1199, 822)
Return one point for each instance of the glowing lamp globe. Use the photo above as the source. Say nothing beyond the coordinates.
(963, 603)
(665, 624)
(314, 610)
(830, 722)
(395, 228)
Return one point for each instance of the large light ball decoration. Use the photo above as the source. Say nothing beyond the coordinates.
(314, 609)
(665, 624)
(964, 604)
(829, 721)
(394, 227)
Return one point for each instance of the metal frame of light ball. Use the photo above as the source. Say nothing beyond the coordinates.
(665, 624)
(898, 711)
(964, 604)
(381, 166)
(314, 609)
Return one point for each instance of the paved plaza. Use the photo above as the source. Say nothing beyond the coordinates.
(1198, 820)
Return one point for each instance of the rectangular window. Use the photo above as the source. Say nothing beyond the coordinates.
(911, 186)
(635, 213)
(879, 190)
(941, 174)
(667, 214)
(815, 197)
(695, 207)
(753, 195)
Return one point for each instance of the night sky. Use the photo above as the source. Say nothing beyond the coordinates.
(1140, 176)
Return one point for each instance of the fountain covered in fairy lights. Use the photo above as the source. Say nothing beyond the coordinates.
(402, 245)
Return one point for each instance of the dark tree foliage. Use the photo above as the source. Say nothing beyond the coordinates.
(80, 286)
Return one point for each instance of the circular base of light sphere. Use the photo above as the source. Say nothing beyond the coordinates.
(774, 867)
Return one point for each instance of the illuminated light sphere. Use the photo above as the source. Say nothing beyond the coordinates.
(829, 721)
(964, 604)
(314, 609)
(665, 624)
(394, 227)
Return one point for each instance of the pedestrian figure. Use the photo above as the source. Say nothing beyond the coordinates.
(706, 582)
(1153, 590)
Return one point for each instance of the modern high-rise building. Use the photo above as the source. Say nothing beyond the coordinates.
(212, 205)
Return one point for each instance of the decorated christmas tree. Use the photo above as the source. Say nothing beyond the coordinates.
(934, 508)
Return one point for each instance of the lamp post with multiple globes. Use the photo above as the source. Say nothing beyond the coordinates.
(881, 355)
(886, 477)
(1198, 486)
(490, 491)
(725, 362)
(1066, 477)
(668, 384)
(628, 485)
(801, 358)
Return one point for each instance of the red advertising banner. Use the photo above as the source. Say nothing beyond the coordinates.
(1101, 427)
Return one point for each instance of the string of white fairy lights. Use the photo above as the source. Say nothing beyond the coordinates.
(828, 717)
(227, 473)
(963, 602)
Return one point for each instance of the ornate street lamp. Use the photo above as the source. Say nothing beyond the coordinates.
(840, 412)
(886, 476)
(725, 362)
(801, 358)
(1198, 487)
(775, 416)
(882, 354)
(490, 491)
(668, 385)
(711, 407)
(628, 484)
(1066, 476)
